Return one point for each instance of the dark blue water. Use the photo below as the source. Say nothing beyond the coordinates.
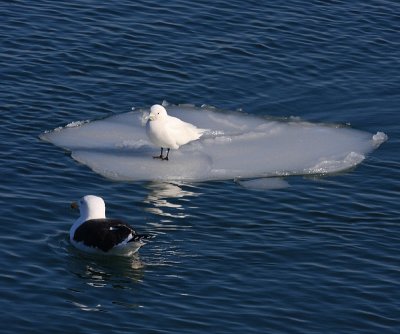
(319, 257)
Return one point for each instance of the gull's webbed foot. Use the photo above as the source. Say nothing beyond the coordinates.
(160, 156)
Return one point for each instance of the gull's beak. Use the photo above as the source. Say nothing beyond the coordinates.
(151, 117)
(74, 206)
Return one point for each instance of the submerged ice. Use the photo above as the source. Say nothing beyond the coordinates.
(236, 146)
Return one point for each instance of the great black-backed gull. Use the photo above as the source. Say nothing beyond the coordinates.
(93, 232)
(169, 132)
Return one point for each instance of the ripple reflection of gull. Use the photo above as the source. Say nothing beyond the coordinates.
(99, 271)
(160, 199)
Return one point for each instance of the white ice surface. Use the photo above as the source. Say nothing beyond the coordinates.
(237, 146)
(268, 183)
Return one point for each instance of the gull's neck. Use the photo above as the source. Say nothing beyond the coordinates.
(90, 213)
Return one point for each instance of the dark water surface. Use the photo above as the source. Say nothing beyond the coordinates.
(321, 256)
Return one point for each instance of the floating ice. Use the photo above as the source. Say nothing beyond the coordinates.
(269, 183)
(237, 146)
(379, 138)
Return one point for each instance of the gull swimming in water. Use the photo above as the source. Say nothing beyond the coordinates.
(169, 132)
(94, 233)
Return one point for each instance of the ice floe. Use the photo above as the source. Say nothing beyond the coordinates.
(237, 146)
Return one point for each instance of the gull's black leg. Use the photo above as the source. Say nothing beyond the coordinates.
(159, 156)
(166, 157)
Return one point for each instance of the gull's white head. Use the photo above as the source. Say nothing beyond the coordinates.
(91, 207)
(157, 112)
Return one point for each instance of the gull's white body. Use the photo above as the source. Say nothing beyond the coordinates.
(170, 132)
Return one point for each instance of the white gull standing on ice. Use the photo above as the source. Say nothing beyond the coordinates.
(168, 131)
(94, 233)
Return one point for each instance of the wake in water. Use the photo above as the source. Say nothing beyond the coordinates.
(236, 146)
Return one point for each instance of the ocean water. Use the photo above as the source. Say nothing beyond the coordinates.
(304, 254)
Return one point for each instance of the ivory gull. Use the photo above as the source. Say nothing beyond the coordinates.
(169, 132)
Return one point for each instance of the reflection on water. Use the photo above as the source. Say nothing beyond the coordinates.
(98, 275)
(161, 199)
(101, 271)
(88, 308)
